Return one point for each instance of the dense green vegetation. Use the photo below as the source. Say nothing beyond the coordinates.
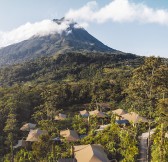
(38, 90)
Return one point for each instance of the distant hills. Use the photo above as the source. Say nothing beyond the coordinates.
(74, 38)
(69, 67)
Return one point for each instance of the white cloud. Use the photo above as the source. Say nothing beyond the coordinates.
(28, 30)
(119, 11)
(81, 25)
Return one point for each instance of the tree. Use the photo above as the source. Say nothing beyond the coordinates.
(10, 129)
(128, 148)
(147, 86)
(160, 144)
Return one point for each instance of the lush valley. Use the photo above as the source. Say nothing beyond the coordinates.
(36, 91)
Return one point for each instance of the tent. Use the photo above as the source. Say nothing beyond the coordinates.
(60, 117)
(35, 134)
(102, 127)
(84, 113)
(97, 113)
(69, 135)
(134, 118)
(27, 127)
(119, 112)
(146, 134)
(21, 143)
(90, 153)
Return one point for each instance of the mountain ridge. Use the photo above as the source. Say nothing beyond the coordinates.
(74, 38)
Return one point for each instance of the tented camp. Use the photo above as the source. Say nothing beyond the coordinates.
(34, 135)
(69, 135)
(90, 153)
(60, 117)
(134, 118)
(84, 113)
(27, 127)
(21, 143)
(97, 113)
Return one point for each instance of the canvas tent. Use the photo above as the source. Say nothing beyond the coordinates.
(90, 153)
(166, 135)
(21, 143)
(35, 134)
(146, 134)
(119, 112)
(27, 127)
(97, 113)
(84, 113)
(102, 127)
(69, 135)
(60, 117)
(134, 118)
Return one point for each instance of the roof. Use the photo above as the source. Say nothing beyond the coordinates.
(146, 134)
(122, 121)
(60, 117)
(27, 127)
(102, 127)
(119, 112)
(69, 135)
(84, 113)
(97, 113)
(35, 134)
(21, 143)
(166, 135)
(134, 118)
(90, 153)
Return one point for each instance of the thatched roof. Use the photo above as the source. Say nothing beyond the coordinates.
(90, 153)
(27, 127)
(97, 113)
(60, 117)
(70, 135)
(119, 112)
(134, 118)
(34, 135)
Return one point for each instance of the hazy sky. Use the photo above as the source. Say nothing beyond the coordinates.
(135, 26)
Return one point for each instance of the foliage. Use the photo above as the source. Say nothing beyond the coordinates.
(38, 90)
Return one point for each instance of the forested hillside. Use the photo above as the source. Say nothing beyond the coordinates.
(38, 90)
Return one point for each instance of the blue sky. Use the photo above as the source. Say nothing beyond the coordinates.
(143, 34)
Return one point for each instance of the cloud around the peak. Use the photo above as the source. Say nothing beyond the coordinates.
(119, 11)
(29, 30)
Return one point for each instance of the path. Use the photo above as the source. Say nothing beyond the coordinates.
(143, 150)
